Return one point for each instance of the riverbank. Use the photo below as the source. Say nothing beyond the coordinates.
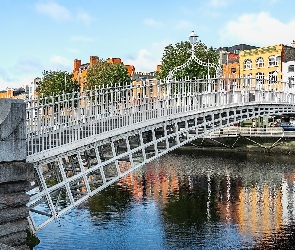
(285, 146)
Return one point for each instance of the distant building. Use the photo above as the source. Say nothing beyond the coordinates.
(288, 69)
(142, 75)
(17, 93)
(80, 70)
(229, 59)
(6, 93)
(234, 50)
(265, 63)
(130, 68)
(32, 93)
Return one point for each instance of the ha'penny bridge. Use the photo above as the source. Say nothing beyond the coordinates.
(81, 143)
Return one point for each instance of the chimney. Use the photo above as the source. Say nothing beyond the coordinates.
(77, 64)
(93, 60)
(293, 44)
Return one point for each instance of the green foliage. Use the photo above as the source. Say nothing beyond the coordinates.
(178, 54)
(57, 82)
(104, 73)
(31, 240)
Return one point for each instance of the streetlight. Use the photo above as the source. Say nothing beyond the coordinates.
(193, 41)
(193, 38)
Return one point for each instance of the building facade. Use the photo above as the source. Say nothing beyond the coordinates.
(229, 59)
(263, 67)
(80, 70)
(32, 88)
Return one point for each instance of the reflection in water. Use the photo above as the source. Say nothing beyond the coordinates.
(188, 200)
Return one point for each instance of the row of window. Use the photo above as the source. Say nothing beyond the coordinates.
(272, 61)
(291, 68)
(260, 75)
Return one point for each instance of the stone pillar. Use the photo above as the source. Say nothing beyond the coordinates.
(15, 175)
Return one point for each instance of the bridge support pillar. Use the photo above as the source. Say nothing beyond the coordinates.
(15, 175)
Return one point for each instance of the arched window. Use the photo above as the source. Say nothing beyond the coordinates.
(259, 62)
(272, 61)
(259, 78)
(247, 64)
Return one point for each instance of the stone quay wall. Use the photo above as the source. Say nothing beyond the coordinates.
(15, 175)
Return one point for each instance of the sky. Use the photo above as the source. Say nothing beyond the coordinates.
(38, 35)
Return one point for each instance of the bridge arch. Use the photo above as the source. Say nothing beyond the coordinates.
(71, 177)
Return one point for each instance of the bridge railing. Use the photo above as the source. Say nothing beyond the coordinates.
(59, 120)
(249, 131)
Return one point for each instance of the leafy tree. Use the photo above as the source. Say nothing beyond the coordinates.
(178, 54)
(104, 73)
(57, 82)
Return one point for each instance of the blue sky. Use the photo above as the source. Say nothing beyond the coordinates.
(39, 35)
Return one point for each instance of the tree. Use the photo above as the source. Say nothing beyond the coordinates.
(57, 82)
(104, 73)
(178, 54)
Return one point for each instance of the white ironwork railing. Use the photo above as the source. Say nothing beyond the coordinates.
(81, 143)
(60, 120)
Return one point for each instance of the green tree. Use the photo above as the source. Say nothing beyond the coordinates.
(57, 82)
(104, 73)
(178, 54)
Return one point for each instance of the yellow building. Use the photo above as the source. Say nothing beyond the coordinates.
(6, 93)
(19, 93)
(262, 67)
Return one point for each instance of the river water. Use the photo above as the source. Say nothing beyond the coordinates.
(188, 199)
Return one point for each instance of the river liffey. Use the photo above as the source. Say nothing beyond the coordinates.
(189, 199)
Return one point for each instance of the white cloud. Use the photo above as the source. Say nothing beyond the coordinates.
(15, 83)
(217, 3)
(147, 59)
(258, 29)
(60, 63)
(152, 22)
(54, 10)
(84, 17)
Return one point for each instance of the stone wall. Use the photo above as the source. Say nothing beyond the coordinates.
(15, 175)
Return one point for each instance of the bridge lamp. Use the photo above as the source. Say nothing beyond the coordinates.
(193, 41)
(192, 38)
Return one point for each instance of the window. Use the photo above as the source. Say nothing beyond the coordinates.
(259, 62)
(233, 70)
(291, 80)
(272, 61)
(273, 78)
(291, 68)
(248, 64)
(247, 80)
(259, 78)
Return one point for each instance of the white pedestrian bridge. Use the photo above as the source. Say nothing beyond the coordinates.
(80, 143)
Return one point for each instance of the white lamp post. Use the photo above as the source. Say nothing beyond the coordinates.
(193, 41)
